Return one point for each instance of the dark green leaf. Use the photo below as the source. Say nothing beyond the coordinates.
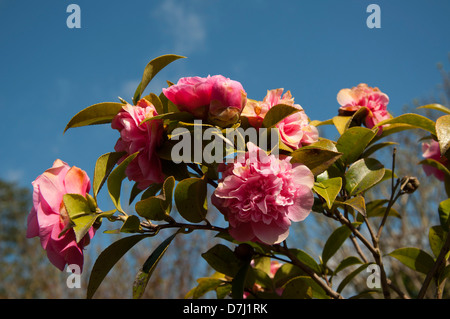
(297, 288)
(334, 242)
(436, 238)
(414, 258)
(277, 113)
(372, 149)
(363, 174)
(222, 259)
(149, 266)
(238, 283)
(100, 113)
(190, 197)
(347, 262)
(350, 277)
(132, 224)
(115, 181)
(157, 207)
(107, 259)
(306, 259)
(353, 143)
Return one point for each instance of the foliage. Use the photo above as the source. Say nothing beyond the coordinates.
(345, 171)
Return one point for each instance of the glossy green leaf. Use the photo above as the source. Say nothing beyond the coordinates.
(328, 189)
(316, 159)
(107, 259)
(306, 259)
(151, 69)
(443, 134)
(100, 113)
(357, 203)
(444, 214)
(157, 207)
(363, 174)
(149, 266)
(414, 258)
(342, 122)
(436, 106)
(436, 239)
(190, 196)
(115, 181)
(222, 259)
(415, 120)
(334, 242)
(277, 113)
(103, 168)
(353, 142)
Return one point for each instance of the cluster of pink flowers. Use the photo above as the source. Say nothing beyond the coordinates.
(295, 130)
(260, 195)
(351, 100)
(48, 217)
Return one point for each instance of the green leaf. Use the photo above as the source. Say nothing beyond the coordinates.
(151, 69)
(115, 181)
(190, 199)
(317, 159)
(222, 259)
(306, 259)
(363, 174)
(149, 266)
(238, 283)
(81, 215)
(103, 168)
(100, 113)
(328, 189)
(205, 285)
(436, 106)
(372, 149)
(357, 203)
(107, 259)
(277, 113)
(297, 288)
(342, 123)
(334, 242)
(414, 258)
(443, 134)
(347, 262)
(436, 164)
(444, 214)
(157, 207)
(350, 277)
(376, 208)
(132, 224)
(436, 238)
(415, 120)
(353, 142)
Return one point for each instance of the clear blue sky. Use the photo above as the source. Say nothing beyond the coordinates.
(49, 72)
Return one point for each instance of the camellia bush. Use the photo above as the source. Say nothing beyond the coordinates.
(266, 169)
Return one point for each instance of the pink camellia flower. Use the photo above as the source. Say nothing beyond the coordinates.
(214, 98)
(363, 95)
(144, 138)
(295, 130)
(431, 150)
(48, 216)
(260, 195)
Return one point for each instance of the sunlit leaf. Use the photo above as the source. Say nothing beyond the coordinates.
(277, 113)
(100, 113)
(328, 189)
(436, 106)
(363, 174)
(415, 120)
(103, 168)
(414, 258)
(443, 134)
(353, 142)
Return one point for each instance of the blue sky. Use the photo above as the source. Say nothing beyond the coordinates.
(49, 72)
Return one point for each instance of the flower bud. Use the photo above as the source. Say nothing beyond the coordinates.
(409, 184)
